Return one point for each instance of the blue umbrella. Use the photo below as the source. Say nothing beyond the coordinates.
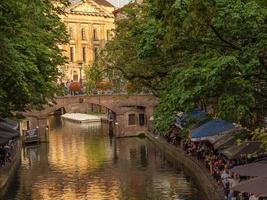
(211, 128)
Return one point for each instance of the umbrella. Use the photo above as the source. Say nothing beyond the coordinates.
(245, 148)
(10, 123)
(6, 134)
(257, 186)
(258, 168)
(224, 142)
(215, 138)
(211, 128)
(6, 130)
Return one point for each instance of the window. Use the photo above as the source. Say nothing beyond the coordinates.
(83, 34)
(131, 119)
(71, 33)
(84, 54)
(142, 119)
(75, 76)
(28, 125)
(95, 52)
(95, 35)
(71, 54)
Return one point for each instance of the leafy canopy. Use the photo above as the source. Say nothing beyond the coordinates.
(192, 53)
(30, 32)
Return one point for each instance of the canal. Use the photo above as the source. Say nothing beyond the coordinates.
(81, 162)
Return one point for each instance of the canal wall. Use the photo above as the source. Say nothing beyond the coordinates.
(196, 169)
(7, 173)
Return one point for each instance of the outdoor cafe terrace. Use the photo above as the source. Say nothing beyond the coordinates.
(231, 157)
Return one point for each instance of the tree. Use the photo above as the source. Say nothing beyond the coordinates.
(224, 62)
(30, 32)
(124, 57)
(195, 53)
(93, 75)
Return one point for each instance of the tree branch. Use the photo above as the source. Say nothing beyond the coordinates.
(233, 46)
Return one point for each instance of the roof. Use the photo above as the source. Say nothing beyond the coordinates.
(90, 7)
(100, 2)
(104, 3)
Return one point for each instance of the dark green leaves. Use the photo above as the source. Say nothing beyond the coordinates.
(30, 32)
(195, 53)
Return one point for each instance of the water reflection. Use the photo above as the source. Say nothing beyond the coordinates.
(81, 162)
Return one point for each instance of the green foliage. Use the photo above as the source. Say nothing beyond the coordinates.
(93, 75)
(30, 32)
(261, 135)
(134, 56)
(224, 64)
(195, 53)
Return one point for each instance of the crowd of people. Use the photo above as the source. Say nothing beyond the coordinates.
(7, 151)
(217, 164)
(70, 88)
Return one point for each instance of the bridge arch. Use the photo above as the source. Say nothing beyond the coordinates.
(125, 106)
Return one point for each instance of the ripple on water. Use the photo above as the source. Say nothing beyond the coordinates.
(81, 162)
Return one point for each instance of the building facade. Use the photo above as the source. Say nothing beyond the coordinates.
(90, 24)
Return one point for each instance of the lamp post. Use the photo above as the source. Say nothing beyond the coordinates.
(81, 68)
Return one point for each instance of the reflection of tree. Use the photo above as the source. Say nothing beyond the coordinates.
(95, 151)
(83, 165)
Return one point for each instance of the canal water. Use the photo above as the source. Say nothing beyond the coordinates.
(81, 162)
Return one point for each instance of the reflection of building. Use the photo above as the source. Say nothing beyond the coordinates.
(89, 24)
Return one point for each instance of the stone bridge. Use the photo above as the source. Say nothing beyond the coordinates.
(137, 107)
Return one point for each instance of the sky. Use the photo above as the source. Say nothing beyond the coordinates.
(119, 3)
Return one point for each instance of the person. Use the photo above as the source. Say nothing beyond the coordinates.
(68, 86)
(225, 176)
(253, 197)
(233, 181)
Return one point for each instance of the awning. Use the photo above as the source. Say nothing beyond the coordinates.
(258, 168)
(237, 151)
(222, 140)
(6, 134)
(211, 128)
(7, 131)
(257, 186)
(225, 142)
(215, 138)
(10, 123)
